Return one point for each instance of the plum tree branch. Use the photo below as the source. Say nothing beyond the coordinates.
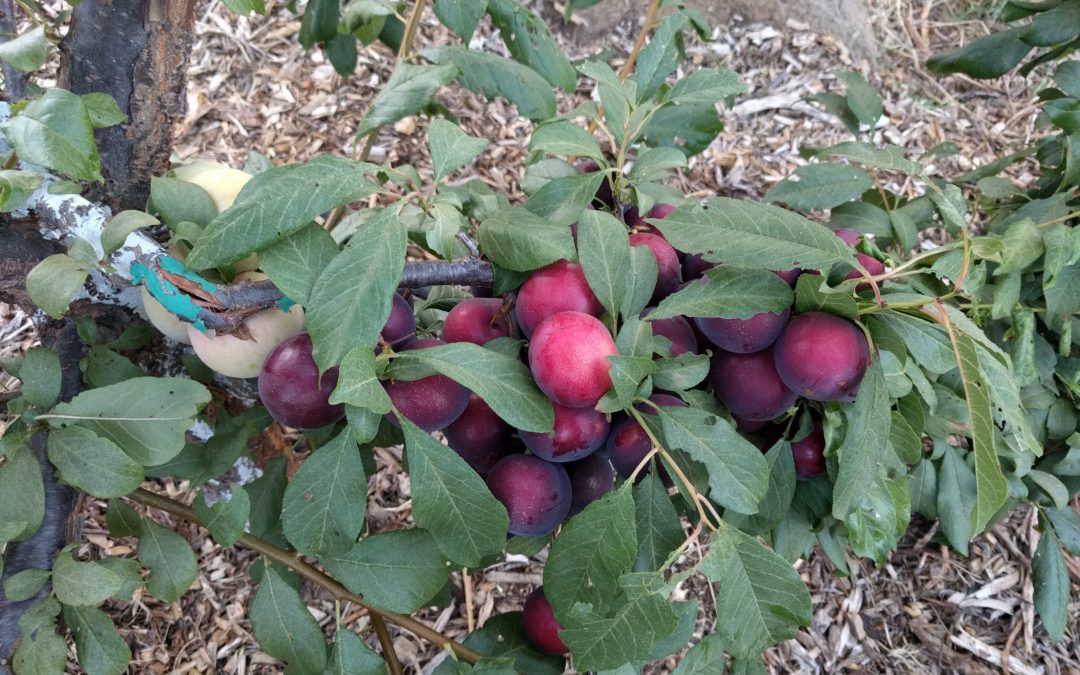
(389, 655)
(316, 576)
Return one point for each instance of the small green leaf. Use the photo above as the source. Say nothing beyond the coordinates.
(983, 58)
(27, 51)
(323, 508)
(22, 495)
(504, 635)
(55, 132)
(492, 75)
(956, 496)
(461, 16)
(761, 594)
(320, 22)
(727, 292)
(82, 583)
(409, 89)
(40, 375)
(813, 294)
(92, 463)
(451, 501)
(820, 186)
(121, 225)
(519, 240)
(104, 112)
(54, 282)
(16, 188)
(705, 658)
(285, 628)
(25, 584)
(660, 57)
(641, 281)
(400, 571)
(604, 253)
(1050, 577)
(227, 518)
(562, 200)
(530, 42)
(169, 558)
(451, 148)
(351, 299)
(659, 532)
(101, 649)
(295, 262)
(40, 650)
(706, 86)
(246, 7)
(681, 372)
(867, 432)
(358, 385)
(350, 656)
(562, 137)
(862, 100)
(178, 201)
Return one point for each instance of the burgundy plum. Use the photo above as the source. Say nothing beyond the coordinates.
(604, 197)
(478, 320)
(809, 453)
(541, 627)
(590, 479)
(559, 287)
(822, 356)
(660, 211)
(744, 336)
(400, 326)
(694, 265)
(669, 271)
(628, 444)
(536, 493)
(431, 403)
(480, 436)
(678, 330)
(872, 264)
(578, 433)
(789, 276)
(567, 357)
(291, 389)
(749, 386)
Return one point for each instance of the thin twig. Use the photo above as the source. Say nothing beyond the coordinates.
(650, 18)
(466, 582)
(316, 576)
(389, 655)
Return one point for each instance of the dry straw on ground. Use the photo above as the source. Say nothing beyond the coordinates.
(928, 610)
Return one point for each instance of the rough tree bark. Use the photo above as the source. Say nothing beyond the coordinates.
(136, 50)
(14, 81)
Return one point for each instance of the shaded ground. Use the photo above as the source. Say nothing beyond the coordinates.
(928, 610)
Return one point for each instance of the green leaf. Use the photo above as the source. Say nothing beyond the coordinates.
(738, 474)
(1050, 577)
(641, 280)
(761, 595)
(753, 235)
(323, 508)
(727, 292)
(40, 650)
(82, 583)
(169, 558)
(862, 100)
(888, 156)
(409, 89)
(705, 658)
(341, 52)
(54, 281)
(104, 112)
(655, 164)
(55, 132)
(602, 642)
(781, 490)
(177, 201)
(519, 240)
(246, 7)
(16, 188)
(504, 635)
(227, 518)
(320, 22)
(25, 584)
(867, 432)
(706, 86)
(451, 501)
(812, 294)
(93, 464)
(351, 299)
(927, 342)
(22, 495)
(1023, 245)
(145, 416)
(400, 571)
(358, 384)
(285, 628)
(821, 186)
(101, 649)
(350, 656)
(461, 16)
(562, 137)
(451, 148)
(604, 253)
(878, 518)
(983, 58)
(121, 225)
(562, 200)
(593, 549)
(277, 203)
(1056, 25)
(27, 51)
(1066, 522)
(660, 57)
(40, 375)
(680, 372)
(122, 520)
(129, 571)
(659, 531)
(690, 127)
(1063, 298)
(295, 263)
(504, 382)
(992, 489)
(956, 499)
(491, 75)
(627, 373)
(530, 42)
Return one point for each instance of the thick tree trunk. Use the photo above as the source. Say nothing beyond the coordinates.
(136, 50)
(14, 81)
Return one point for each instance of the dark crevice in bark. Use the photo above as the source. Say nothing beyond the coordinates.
(14, 79)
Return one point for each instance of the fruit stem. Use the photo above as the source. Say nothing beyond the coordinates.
(389, 655)
(316, 576)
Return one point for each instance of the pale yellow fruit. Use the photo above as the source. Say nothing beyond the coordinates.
(234, 357)
(164, 320)
(221, 182)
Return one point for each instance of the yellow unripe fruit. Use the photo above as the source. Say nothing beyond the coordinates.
(221, 182)
(234, 357)
(164, 320)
